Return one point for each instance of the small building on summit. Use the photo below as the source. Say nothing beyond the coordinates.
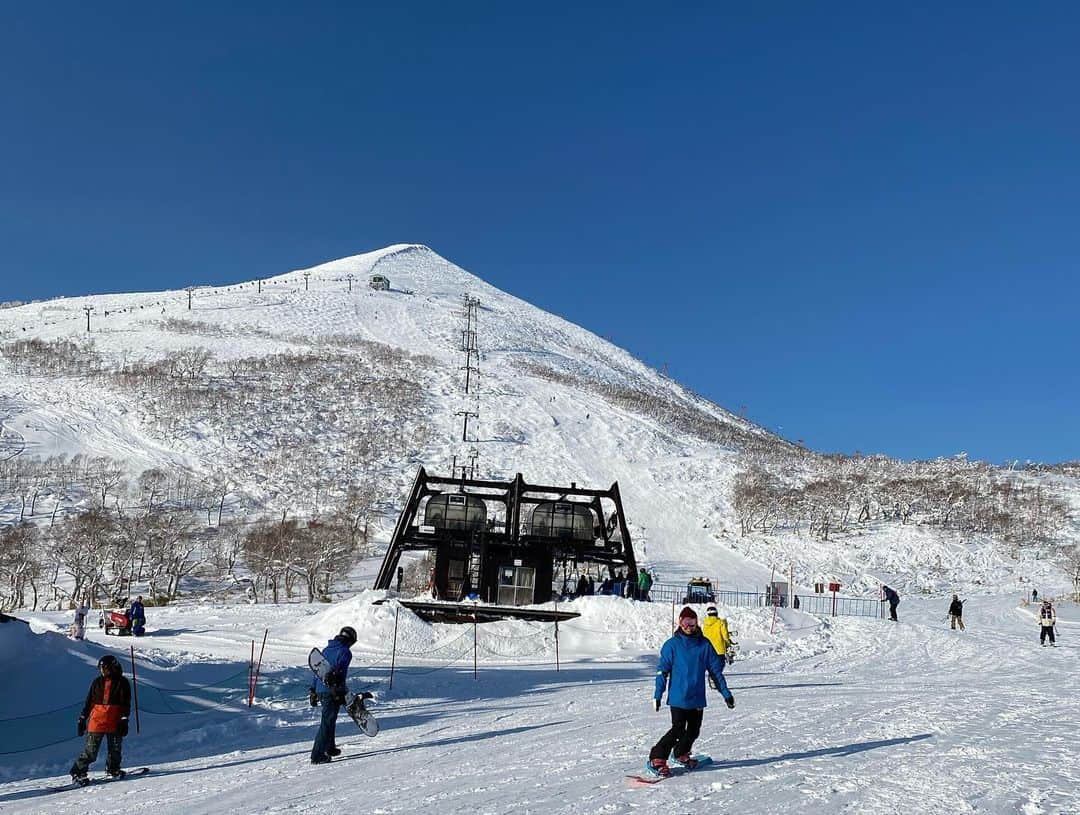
(380, 282)
(510, 543)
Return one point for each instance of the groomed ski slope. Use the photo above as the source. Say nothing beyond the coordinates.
(833, 715)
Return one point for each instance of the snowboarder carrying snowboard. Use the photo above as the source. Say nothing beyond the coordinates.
(684, 660)
(104, 716)
(331, 694)
(1047, 621)
(956, 613)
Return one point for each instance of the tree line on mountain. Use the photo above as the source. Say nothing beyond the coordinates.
(948, 493)
(157, 532)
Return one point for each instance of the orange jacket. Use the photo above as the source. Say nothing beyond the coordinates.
(107, 702)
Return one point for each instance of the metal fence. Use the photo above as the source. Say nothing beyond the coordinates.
(825, 605)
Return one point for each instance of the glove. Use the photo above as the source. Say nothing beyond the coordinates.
(122, 730)
(367, 695)
(730, 702)
(656, 705)
(313, 697)
(81, 727)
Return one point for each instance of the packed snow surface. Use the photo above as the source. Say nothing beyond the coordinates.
(832, 714)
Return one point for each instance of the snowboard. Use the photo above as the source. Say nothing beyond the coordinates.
(354, 702)
(72, 785)
(642, 778)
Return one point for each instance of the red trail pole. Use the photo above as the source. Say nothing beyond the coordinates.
(135, 689)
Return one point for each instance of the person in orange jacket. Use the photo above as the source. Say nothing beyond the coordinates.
(104, 716)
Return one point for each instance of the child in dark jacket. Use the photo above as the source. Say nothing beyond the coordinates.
(684, 660)
(104, 716)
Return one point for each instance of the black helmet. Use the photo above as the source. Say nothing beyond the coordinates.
(348, 635)
(110, 664)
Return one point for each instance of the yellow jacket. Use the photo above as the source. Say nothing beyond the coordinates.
(715, 631)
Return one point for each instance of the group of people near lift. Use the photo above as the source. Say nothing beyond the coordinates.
(634, 586)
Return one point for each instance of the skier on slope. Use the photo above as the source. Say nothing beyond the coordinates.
(715, 630)
(104, 716)
(893, 599)
(1047, 621)
(684, 660)
(331, 695)
(956, 613)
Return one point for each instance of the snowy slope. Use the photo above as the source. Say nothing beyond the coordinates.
(542, 413)
(839, 715)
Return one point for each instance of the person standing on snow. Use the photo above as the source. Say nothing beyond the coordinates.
(1047, 621)
(331, 694)
(644, 584)
(78, 625)
(137, 617)
(894, 600)
(104, 716)
(684, 661)
(956, 613)
(715, 630)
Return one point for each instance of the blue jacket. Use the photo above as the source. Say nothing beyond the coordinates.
(136, 611)
(339, 656)
(684, 660)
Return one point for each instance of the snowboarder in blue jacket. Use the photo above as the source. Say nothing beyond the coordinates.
(684, 661)
(331, 694)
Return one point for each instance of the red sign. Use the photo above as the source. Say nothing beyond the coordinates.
(834, 587)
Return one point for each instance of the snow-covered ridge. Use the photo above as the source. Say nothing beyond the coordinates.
(305, 386)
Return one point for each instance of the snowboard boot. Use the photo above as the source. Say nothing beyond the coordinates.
(687, 761)
(81, 780)
(118, 773)
(333, 752)
(323, 759)
(657, 767)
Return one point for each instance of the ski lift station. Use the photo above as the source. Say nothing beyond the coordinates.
(508, 542)
(379, 282)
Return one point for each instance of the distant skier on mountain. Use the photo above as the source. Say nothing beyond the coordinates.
(685, 659)
(893, 599)
(1047, 621)
(956, 613)
(332, 694)
(104, 716)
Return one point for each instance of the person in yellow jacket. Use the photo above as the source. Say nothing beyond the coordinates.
(716, 631)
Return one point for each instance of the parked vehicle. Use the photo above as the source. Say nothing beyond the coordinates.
(699, 590)
(114, 620)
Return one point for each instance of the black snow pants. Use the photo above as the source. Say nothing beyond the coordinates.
(90, 753)
(685, 728)
(1046, 629)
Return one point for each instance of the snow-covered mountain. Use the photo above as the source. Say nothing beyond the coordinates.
(285, 391)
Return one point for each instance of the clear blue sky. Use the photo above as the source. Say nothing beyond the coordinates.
(859, 221)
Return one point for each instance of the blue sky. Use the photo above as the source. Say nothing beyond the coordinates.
(859, 222)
